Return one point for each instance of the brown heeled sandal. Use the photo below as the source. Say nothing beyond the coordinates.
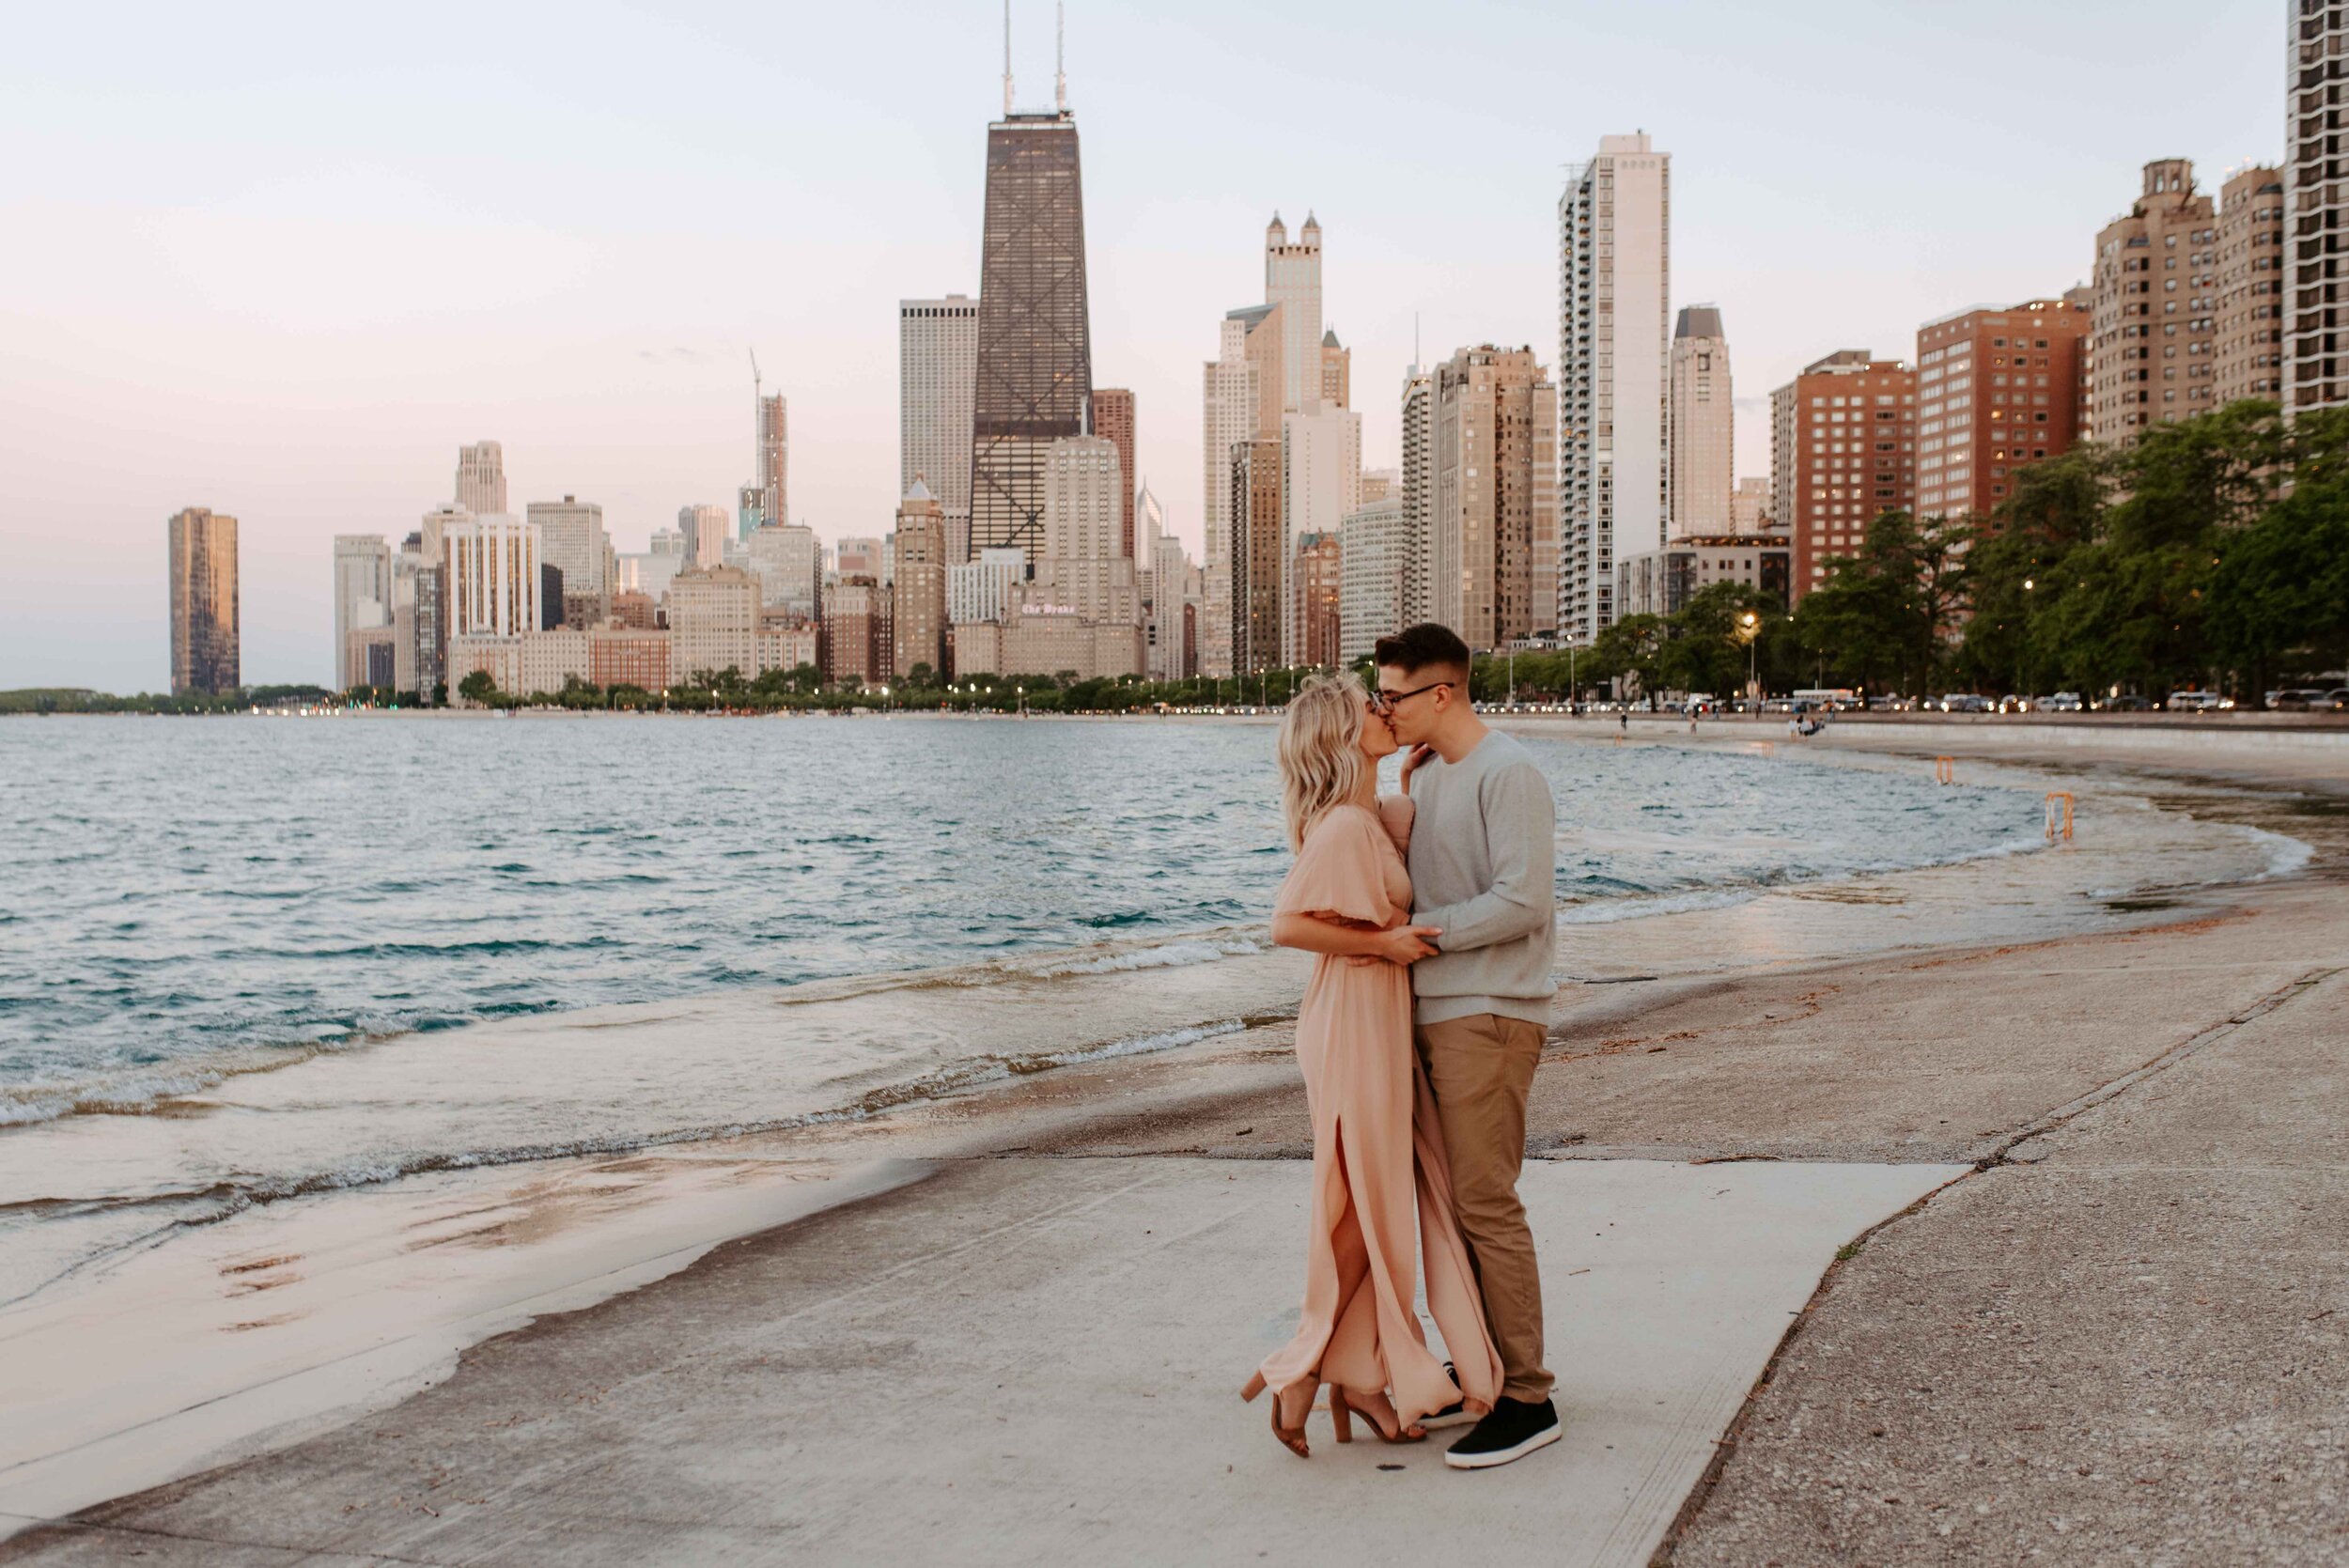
(1341, 1411)
(1289, 1437)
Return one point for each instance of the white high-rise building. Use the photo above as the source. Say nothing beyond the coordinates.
(481, 477)
(651, 572)
(787, 562)
(1292, 280)
(937, 360)
(490, 569)
(1702, 436)
(570, 531)
(1149, 527)
(1374, 565)
(1172, 577)
(705, 532)
(1615, 416)
(363, 595)
(1230, 411)
(981, 590)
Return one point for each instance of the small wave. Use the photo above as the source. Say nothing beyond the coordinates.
(2286, 855)
(1172, 955)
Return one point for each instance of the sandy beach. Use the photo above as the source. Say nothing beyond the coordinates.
(1885, 1247)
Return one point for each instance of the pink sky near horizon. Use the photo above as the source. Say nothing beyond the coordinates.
(282, 263)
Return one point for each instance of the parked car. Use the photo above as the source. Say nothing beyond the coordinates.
(1965, 701)
(2011, 704)
(2300, 699)
(2190, 702)
(2062, 702)
(2128, 704)
(2337, 700)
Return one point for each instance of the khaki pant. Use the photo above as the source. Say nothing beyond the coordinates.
(1481, 1069)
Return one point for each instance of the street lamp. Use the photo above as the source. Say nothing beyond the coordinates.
(1749, 633)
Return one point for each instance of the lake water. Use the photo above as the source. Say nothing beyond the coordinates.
(244, 960)
(188, 897)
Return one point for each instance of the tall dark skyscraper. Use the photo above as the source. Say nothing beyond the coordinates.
(1036, 350)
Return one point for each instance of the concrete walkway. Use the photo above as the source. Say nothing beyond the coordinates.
(1036, 1360)
(2129, 1346)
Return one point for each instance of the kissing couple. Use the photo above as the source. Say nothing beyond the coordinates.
(1434, 917)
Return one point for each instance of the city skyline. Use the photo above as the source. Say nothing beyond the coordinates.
(556, 334)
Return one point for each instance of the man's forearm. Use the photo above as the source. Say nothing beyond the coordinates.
(1504, 914)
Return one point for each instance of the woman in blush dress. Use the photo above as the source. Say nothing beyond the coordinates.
(1379, 1157)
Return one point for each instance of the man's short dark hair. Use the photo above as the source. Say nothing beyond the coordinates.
(1426, 646)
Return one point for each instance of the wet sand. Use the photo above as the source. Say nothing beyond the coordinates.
(1004, 1295)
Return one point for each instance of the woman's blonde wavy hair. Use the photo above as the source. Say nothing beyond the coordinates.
(1321, 749)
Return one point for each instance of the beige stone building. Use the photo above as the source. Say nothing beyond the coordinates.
(498, 657)
(1038, 640)
(2251, 321)
(1292, 281)
(785, 643)
(2156, 302)
(1750, 505)
(1085, 568)
(1337, 371)
(1496, 514)
(713, 623)
(1703, 451)
(918, 584)
(551, 658)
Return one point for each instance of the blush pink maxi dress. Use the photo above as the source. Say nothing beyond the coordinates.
(1378, 1153)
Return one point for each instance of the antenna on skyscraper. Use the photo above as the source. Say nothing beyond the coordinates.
(1060, 57)
(1007, 60)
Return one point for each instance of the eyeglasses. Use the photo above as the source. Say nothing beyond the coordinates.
(1383, 702)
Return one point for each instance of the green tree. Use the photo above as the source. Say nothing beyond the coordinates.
(477, 687)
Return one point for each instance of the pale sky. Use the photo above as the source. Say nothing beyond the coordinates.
(283, 260)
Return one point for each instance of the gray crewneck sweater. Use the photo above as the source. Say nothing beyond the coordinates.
(1483, 866)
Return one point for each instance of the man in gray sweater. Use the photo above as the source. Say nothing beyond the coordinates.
(1483, 853)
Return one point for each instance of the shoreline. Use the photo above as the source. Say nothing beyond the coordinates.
(1614, 1043)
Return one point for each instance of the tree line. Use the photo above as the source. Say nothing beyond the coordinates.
(2213, 552)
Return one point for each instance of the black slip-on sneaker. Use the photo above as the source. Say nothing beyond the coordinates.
(1514, 1430)
(1454, 1414)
